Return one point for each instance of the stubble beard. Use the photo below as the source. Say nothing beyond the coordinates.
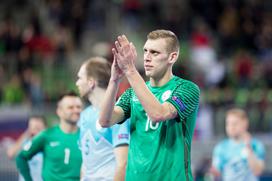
(71, 122)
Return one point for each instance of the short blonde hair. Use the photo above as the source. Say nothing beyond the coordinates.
(238, 112)
(100, 69)
(171, 39)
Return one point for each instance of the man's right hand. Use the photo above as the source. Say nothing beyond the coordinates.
(116, 72)
(125, 54)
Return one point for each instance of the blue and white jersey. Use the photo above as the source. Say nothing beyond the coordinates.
(35, 166)
(97, 145)
(230, 158)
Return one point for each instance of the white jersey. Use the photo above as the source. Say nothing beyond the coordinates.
(97, 144)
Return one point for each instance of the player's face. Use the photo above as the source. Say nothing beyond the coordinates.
(35, 126)
(69, 109)
(156, 58)
(235, 126)
(82, 82)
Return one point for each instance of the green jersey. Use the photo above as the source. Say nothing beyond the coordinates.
(161, 151)
(62, 157)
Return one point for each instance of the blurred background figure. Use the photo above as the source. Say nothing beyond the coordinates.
(35, 125)
(59, 145)
(104, 151)
(240, 157)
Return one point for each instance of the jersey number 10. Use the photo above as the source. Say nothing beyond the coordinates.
(150, 124)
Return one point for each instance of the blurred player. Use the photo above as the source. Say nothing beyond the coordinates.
(104, 151)
(240, 157)
(162, 111)
(35, 125)
(59, 145)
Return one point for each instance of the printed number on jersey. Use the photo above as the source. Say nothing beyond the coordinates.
(150, 125)
(66, 156)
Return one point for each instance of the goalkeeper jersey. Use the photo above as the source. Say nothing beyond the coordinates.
(62, 157)
(35, 165)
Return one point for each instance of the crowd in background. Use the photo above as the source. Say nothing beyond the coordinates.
(226, 49)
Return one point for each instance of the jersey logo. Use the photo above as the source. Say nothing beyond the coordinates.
(122, 136)
(27, 146)
(179, 102)
(166, 95)
(54, 143)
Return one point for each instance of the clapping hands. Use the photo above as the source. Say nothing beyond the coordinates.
(125, 56)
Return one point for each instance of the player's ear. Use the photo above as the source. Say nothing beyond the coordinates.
(91, 82)
(173, 57)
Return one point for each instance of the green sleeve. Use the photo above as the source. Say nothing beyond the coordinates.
(29, 150)
(185, 98)
(124, 102)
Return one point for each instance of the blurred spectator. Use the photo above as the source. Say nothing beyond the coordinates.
(13, 92)
(70, 14)
(11, 36)
(216, 75)
(264, 38)
(36, 93)
(243, 65)
(132, 12)
(24, 60)
(203, 55)
(228, 30)
(248, 29)
(37, 42)
(204, 125)
(63, 43)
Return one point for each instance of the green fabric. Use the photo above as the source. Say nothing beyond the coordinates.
(62, 157)
(161, 151)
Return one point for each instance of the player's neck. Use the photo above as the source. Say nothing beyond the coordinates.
(96, 96)
(160, 81)
(68, 128)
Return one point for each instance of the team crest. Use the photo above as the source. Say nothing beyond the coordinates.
(166, 95)
(27, 146)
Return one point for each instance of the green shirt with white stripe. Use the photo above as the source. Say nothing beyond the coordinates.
(161, 151)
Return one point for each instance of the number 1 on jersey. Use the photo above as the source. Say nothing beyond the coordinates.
(66, 156)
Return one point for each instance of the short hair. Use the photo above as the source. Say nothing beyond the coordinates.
(66, 94)
(100, 69)
(171, 39)
(238, 112)
(39, 117)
